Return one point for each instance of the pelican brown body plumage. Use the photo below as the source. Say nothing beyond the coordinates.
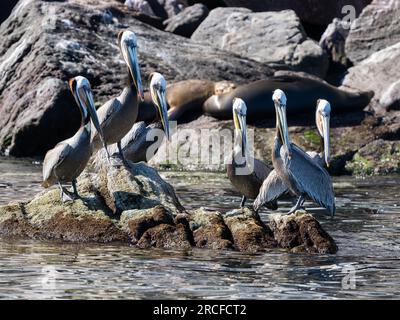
(118, 115)
(66, 161)
(245, 172)
(301, 175)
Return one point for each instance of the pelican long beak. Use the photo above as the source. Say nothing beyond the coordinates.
(283, 127)
(326, 137)
(161, 103)
(133, 65)
(93, 115)
(240, 124)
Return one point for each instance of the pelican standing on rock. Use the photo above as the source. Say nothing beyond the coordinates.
(136, 143)
(295, 168)
(322, 157)
(118, 115)
(245, 172)
(66, 161)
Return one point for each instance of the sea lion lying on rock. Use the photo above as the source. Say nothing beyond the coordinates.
(302, 92)
(185, 96)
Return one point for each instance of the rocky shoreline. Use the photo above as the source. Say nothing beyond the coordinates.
(135, 205)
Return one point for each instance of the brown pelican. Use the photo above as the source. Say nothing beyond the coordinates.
(136, 143)
(322, 120)
(118, 115)
(65, 162)
(295, 168)
(245, 172)
(322, 157)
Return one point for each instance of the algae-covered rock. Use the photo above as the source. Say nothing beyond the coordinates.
(248, 231)
(131, 203)
(301, 232)
(377, 157)
(209, 230)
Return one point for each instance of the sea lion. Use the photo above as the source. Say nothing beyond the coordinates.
(302, 93)
(183, 97)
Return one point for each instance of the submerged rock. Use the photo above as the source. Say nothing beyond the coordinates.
(274, 38)
(132, 204)
(44, 43)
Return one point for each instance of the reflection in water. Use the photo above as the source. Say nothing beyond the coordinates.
(366, 229)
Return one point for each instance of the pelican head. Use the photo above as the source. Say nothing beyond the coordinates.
(128, 45)
(279, 99)
(239, 109)
(80, 88)
(322, 119)
(158, 87)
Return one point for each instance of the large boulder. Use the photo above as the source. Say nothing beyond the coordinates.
(377, 28)
(132, 203)
(43, 44)
(274, 38)
(380, 74)
(311, 11)
(187, 21)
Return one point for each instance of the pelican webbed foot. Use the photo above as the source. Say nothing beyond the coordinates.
(298, 205)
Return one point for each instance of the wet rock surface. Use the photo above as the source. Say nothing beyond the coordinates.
(300, 232)
(43, 44)
(274, 38)
(132, 204)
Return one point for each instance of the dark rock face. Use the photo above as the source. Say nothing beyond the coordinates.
(274, 38)
(187, 21)
(6, 7)
(43, 44)
(315, 12)
(133, 204)
(377, 28)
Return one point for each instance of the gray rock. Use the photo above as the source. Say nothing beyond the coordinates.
(379, 74)
(377, 28)
(44, 41)
(390, 99)
(140, 5)
(171, 7)
(315, 12)
(333, 41)
(187, 21)
(274, 38)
